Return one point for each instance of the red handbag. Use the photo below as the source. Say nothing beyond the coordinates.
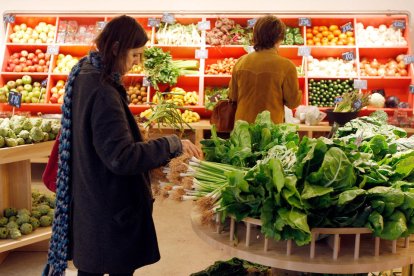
(223, 115)
(49, 176)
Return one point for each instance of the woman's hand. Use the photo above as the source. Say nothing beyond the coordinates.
(191, 149)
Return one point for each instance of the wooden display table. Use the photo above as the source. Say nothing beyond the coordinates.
(16, 191)
(340, 258)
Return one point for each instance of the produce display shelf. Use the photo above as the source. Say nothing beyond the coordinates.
(40, 234)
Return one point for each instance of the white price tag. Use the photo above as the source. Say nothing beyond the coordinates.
(52, 49)
(348, 56)
(360, 84)
(101, 24)
(146, 82)
(204, 25)
(347, 27)
(153, 22)
(304, 51)
(408, 59)
(251, 22)
(305, 21)
(398, 24)
(411, 88)
(249, 49)
(168, 18)
(201, 54)
(9, 18)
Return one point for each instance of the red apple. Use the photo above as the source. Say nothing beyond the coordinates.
(47, 57)
(53, 99)
(16, 55)
(32, 69)
(22, 59)
(48, 62)
(11, 66)
(8, 69)
(42, 62)
(41, 55)
(35, 60)
(24, 53)
(25, 69)
(29, 62)
(38, 51)
(40, 69)
(18, 68)
(31, 56)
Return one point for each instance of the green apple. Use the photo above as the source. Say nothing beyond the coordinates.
(27, 79)
(36, 84)
(28, 99)
(28, 87)
(25, 93)
(11, 84)
(43, 90)
(36, 89)
(19, 82)
(36, 94)
(3, 98)
(35, 100)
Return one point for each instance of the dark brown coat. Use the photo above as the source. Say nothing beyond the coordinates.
(111, 219)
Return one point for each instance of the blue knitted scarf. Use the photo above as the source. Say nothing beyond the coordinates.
(59, 242)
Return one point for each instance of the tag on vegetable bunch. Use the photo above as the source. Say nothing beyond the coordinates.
(251, 22)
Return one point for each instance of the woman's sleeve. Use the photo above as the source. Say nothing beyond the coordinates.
(233, 89)
(292, 96)
(114, 143)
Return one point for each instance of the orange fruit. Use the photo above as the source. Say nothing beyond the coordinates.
(315, 31)
(309, 35)
(324, 40)
(319, 35)
(316, 39)
(337, 32)
(349, 34)
(309, 42)
(331, 36)
(351, 39)
(333, 28)
(342, 36)
(325, 33)
(339, 42)
(318, 44)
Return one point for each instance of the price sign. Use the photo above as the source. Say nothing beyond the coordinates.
(168, 18)
(411, 88)
(408, 59)
(44, 83)
(338, 100)
(100, 24)
(398, 24)
(305, 21)
(251, 22)
(347, 27)
(249, 49)
(146, 82)
(204, 25)
(304, 51)
(52, 49)
(15, 99)
(360, 84)
(348, 56)
(199, 54)
(153, 22)
(9, 18)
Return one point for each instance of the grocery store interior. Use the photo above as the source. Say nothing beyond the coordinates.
(383, 68)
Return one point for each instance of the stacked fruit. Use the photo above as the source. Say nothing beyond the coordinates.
(24, 61)
(332, 36)
(15, 223)
(42, 33)
(392, 68)
(331, 67)
(32, 92)
(189, 116)
(322, 93)
(179, 97)
(65, 63)
(137, 94)
(221, 67)
(137, 69)
(57, 92)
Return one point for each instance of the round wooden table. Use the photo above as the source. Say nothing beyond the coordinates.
(288, 256)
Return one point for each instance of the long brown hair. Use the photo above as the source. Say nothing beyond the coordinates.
(121, 34)
(267, 31)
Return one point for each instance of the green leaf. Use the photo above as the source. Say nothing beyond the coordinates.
(405, 167)
(311, 191)
(277, 174)
(347, 196)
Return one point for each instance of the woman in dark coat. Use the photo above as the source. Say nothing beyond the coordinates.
(104, 203)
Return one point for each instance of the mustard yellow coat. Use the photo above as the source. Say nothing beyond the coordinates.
(261, 81)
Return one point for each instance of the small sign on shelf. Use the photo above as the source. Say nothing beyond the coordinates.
(251, 22)
(154, 22)
(360, 84)
(204, 25)
(398, 24)
(52, 49)
(305, 21)
(168, 18)
(9, 18)
(44, 83)
(304, 51)
(146, 81)
(348, 56)
(408, 59)
(15, 99)
(347, 27)
(411, 87)
(249, 49)
(201, 54)
(101, 24)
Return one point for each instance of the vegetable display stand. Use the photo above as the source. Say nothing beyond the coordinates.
(15, 188)
(351, 250)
